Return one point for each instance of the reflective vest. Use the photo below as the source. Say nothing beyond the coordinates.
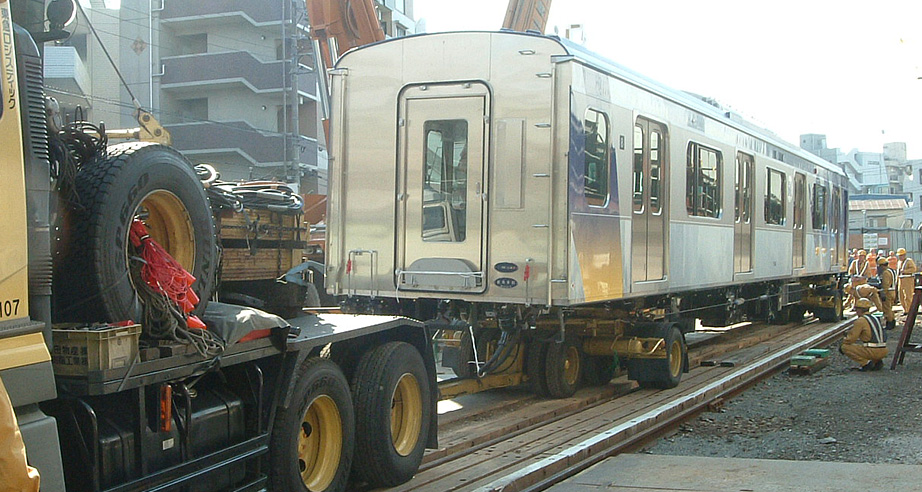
(877, 332)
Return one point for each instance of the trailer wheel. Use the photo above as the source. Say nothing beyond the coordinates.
(598, 370)
(665, 373)
(535, 364)
(392, 400)
(563, 367)
(312, 440)
(465, 368)
(831, 314)
(133, 179)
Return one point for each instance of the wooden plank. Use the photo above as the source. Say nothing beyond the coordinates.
(535, 444)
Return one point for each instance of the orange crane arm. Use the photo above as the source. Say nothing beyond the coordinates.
(527, 15)
(349, 23)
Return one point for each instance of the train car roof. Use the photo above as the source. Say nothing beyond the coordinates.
(689, 100)
(598, 62)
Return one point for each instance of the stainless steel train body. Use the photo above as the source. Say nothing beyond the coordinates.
(512, 168)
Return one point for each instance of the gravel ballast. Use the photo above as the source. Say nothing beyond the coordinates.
(835, 414)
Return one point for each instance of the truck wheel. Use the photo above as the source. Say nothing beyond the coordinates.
(665, 373)
(563, 367)
(392, 401)
(132, 179)
(535, 367)
(312, 440)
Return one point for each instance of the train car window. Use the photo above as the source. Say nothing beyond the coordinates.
(596, 154)
(819, 206)
(444, 210)
(656, 142)
(800, 198)
(743, 205)
(638, 169)
(775, 198)
(702, 185)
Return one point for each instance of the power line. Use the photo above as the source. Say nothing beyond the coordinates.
(161, 112)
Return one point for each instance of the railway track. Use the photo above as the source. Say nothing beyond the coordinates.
(523, 443)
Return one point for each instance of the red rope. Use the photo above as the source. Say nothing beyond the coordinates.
(164, 274)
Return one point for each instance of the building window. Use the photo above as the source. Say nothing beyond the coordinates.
(702, 185)
(444, 214)
(775, 198)
(819, 206)
(595, 173)
(192, 44)
(193, 110)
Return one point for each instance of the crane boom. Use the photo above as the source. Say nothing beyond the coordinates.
(527, 15)
(348, 23)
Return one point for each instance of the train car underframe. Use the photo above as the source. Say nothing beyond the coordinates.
(556, 349)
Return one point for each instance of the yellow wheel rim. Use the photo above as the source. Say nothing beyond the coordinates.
(169, 224)
(571, 366)
(320, 443)
(406, 414)
(675, 358)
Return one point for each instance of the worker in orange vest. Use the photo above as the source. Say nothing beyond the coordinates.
(888, 281)
(858, 273)
(865, 342)
(905, 269)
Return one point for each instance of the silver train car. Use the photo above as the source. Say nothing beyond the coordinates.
(545, 209)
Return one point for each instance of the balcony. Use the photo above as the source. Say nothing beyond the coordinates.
(65, 70)
(215, 70)
(217, 11)
(237, 137)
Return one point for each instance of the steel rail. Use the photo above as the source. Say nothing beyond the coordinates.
(580, 456)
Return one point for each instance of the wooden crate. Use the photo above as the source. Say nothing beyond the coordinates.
(259, 244)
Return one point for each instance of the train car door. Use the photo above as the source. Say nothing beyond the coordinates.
(648, 224)
(800, 205)
(441, 207)
(742, 232)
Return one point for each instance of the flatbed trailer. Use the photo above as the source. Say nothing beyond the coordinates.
(314, 402)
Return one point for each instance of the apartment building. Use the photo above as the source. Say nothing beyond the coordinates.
(234, 81)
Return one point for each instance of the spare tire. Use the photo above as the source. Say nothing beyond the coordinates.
(132, 179)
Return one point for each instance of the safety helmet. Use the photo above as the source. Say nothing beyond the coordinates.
(882, 260)
(863, 303)
(862, 253)
(901, 251)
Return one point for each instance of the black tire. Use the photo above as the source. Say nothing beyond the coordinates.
(662, 373)
(834, 313)
(598, 370)
(312, 297)
(563, 368)
(392, 400)
(535, 367)
(465, 368)
(320, 392)
(92, 281)
(671, 370)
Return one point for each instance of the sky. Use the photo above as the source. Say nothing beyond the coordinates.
(851, 70)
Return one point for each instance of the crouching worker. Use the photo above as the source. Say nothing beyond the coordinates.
(865, 342)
